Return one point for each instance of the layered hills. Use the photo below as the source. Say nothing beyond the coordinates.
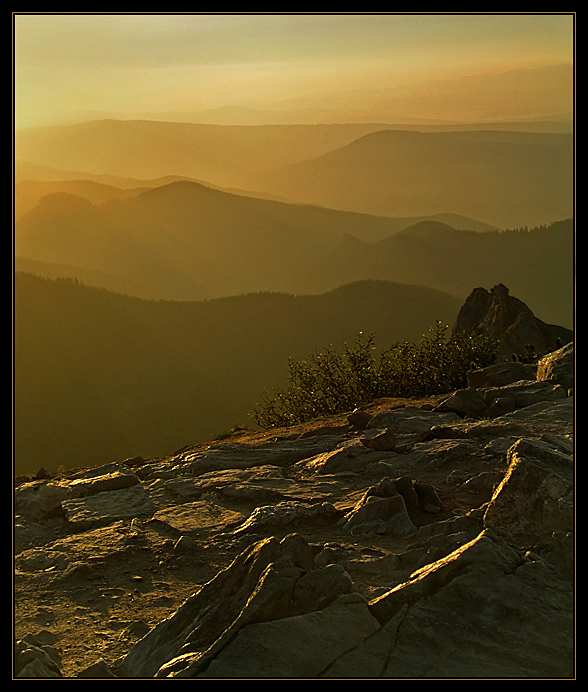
(192, 241)
(503, 178)
(224, 155)
(33, 182)
(537, 263)
(193, 294)
(526, 99)
(102, 376)
(539, 97)
(186, 241)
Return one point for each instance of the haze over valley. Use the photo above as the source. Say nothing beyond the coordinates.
(505, 179)
(198, 198)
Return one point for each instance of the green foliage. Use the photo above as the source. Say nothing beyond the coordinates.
(333, 381)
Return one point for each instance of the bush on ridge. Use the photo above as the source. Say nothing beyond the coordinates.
(333, 381)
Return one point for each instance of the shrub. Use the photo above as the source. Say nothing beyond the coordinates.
(334, 381)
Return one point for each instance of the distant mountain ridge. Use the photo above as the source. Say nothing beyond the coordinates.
(185, 241)
(503, 178)
(531, 94)
(33, 182)
(537, 263)
(192, 241)
(540, 98)
(144, 149)
(506, 179)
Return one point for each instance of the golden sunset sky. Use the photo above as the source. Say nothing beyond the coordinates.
(70, 67)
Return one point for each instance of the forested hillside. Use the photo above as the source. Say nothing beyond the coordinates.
(101, 376)
(537, 264)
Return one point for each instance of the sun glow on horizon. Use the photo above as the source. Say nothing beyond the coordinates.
(66, 65)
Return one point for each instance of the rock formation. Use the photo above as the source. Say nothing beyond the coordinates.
(424, 538)
(500, 316)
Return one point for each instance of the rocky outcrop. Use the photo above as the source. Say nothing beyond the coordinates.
(35, 659)
(504, 318)
(412, 539)
(558, 367)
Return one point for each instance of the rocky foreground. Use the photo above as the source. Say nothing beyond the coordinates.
(413, 539)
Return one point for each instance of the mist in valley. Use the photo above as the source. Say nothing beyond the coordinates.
(198, 198)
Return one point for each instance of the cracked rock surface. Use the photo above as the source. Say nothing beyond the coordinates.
(428, 541)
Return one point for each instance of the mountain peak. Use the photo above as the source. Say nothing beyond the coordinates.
(428, 227)
(178, 188)
(65, 202)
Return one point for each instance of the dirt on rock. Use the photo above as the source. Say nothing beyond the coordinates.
(89, 594)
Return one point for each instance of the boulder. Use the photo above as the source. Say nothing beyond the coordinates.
(385, 515)
(36, 499)
(111, 480)
(442, 622)
(380, 440)
(558, 367)
(349, 457)
(411, 422)
(33, 659)
(359, 419)
(533, 506)
(500, 374)
(467, 403)
(98, 670)
(235, 455)
(386, 508)
(524, 393)
(554, 416)
(108, 506)
(284, 514)
(271, 580)
(287, 648)
(200, 517)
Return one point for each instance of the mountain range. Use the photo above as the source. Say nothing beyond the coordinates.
(193, 241)
(186, 241)
(533, 98)
(484, 100)
(500, 177)
(537, 264)
(143, 149)
(503, 178)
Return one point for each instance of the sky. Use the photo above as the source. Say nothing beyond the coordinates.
(75, 66)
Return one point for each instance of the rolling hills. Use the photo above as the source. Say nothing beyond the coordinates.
(186, 298)
(190, 242)
(223, 155)
(185, 241)
(537, 264)
(500, 177)
(540, 97)
(32, 183)
(102, 376)
(505, 179)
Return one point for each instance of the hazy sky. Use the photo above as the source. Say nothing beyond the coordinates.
(74, 66)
